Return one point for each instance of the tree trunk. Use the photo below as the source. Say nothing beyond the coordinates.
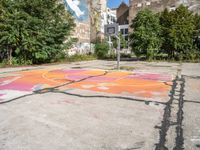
(10, 55)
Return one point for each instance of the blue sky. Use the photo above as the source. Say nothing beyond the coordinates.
(115, 3)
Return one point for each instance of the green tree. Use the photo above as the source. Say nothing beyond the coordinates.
(178, 33)
(197, 24)
(145, 38)
(123, 42)
(166, 22)
(34, 31)
(8, 34)
(197, 32)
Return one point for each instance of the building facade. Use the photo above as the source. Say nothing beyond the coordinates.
(160, 5)
(123, 20)
(123, 14)
(89, 19)
(98, 11)
(111, 16)
(80, 11)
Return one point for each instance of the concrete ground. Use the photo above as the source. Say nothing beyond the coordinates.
(90, 105)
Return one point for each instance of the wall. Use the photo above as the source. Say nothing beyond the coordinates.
(98, 11)
(89, 18)
(80, 11)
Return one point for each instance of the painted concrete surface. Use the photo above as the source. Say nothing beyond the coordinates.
(89, 105)
(143, 85)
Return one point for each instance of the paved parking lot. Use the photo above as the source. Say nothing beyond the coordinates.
(90, 105)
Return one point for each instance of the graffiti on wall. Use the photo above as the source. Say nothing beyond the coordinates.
(80, 10)
(143, 85)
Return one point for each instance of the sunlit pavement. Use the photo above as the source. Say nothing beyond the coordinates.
(90, 105)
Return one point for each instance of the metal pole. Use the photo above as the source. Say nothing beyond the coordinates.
(109, 43)
(118, 53)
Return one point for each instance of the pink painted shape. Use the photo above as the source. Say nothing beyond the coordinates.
(76, 77)
(5, 79)
(17, 86)
(148, 76)
(73, 71)
(102, 79)
(69, 71)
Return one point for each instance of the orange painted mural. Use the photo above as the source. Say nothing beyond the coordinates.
(144, 85)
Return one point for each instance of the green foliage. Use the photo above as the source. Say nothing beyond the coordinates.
(197, 32)
(171, 37)
(78, 57)
(101, 50)
(124, 55)
(145, 39)
(115, 42)
(34, 31)
(123, 42)
(178, 32)
(166, 21)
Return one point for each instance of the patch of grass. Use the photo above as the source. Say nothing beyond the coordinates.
(78, 57)
(68, 59)
(1, 65)
(127, 68)
(6, 65)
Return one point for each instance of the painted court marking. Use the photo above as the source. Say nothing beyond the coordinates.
(143, 85)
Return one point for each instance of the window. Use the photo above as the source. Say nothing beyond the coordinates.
(139, 5)
(148, 3)
(126, 31)
(122, 31)
(126, 38)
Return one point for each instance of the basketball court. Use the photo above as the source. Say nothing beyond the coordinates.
(89, 105)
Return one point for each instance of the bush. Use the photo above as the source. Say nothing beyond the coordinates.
(79, 57)
(101, 50)
(125, 55)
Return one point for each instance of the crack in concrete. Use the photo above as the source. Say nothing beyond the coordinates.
(166, 119)
(179, 129)
(192, 77)
(109, 97)
(45, 90)
(167, 123)
(17, 98)
(189, 101)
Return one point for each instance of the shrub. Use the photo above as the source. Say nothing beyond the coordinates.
(101, 50)
(79, 57)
